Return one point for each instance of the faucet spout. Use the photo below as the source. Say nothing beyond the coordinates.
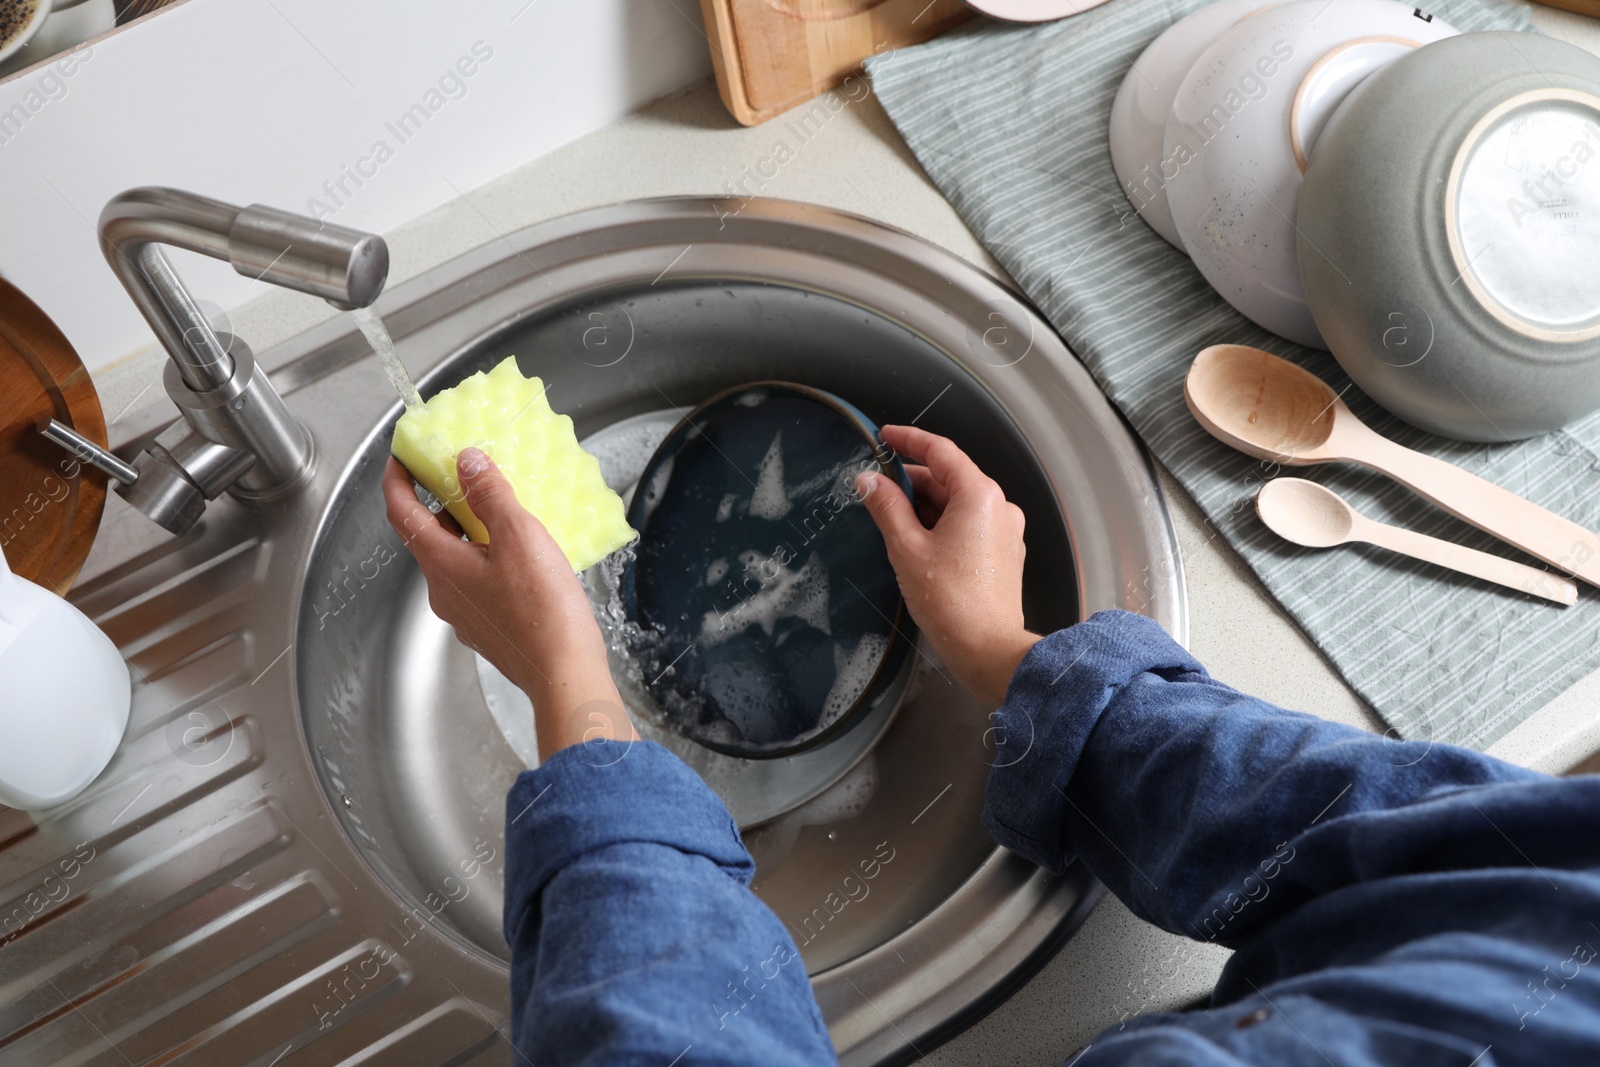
(343, 266)
(257, 451)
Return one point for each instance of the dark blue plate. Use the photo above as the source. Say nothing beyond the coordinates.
(771, 613)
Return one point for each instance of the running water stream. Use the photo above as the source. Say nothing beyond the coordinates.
(377, 336)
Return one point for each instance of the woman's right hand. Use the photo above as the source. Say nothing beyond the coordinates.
(958, 557)
(515, 601)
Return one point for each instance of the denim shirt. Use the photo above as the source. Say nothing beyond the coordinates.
(1388, 902)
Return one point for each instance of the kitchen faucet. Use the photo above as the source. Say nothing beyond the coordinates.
(236, 434)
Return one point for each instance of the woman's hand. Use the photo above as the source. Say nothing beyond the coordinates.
(516, 601)
(958, 558)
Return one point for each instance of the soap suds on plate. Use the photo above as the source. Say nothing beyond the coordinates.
(624, 453)
(770, 499)
(853, 671)
(781, 592)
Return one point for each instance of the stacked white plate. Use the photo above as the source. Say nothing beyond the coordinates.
(1213, 126)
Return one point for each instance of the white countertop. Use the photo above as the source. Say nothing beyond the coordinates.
(1116, 965)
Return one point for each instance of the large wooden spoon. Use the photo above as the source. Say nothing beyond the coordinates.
(1271, 409)
(1315, 516)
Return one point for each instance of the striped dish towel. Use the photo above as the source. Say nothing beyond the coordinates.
(1010, 123)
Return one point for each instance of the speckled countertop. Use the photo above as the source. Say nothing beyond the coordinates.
(1116, 965)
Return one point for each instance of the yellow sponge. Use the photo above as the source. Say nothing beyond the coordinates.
(508, 417)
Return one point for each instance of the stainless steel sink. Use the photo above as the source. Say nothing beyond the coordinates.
(297, 855)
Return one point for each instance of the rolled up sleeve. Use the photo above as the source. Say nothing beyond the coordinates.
(634, 934)
(1120, 750)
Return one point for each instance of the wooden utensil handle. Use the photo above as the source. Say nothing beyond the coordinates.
(1543, 534)
(1456, 557)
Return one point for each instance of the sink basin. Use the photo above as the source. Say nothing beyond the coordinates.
(392, 704)
(342, 721)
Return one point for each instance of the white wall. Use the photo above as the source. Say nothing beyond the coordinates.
(296, 104)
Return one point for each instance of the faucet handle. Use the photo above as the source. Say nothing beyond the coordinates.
(87, 451)
(178, 473)
(172, 479)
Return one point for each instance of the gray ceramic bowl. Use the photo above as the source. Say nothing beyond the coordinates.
(1449, 236)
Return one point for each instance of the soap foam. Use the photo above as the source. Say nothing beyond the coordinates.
(838, 480)
(770, 500)
(624, 454)
(640, 656)
(853, 672)
(783, 593)
(845, 799)
(770, 845)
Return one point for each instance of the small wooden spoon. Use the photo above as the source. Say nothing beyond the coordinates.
(1311, 515)
(1271, 409)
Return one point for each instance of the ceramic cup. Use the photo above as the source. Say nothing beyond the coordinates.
(66, 698)
(41, 11)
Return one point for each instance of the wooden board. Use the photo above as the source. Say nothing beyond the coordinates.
(771, 55)
(50, 504)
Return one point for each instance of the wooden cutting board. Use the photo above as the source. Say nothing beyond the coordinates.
(50, 504)
(771, 55)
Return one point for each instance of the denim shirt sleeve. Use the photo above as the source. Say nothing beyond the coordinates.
(635, 937)
(1118, 748)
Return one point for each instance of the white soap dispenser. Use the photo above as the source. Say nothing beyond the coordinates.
(64, 696)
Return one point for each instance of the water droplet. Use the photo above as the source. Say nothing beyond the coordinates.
(833, 835)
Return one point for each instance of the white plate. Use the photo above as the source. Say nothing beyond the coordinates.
(1144, 101)
(1243, 122)
(1031, 10)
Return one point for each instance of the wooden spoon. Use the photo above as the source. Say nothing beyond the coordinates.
(1311, 515)
(1271, 409)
